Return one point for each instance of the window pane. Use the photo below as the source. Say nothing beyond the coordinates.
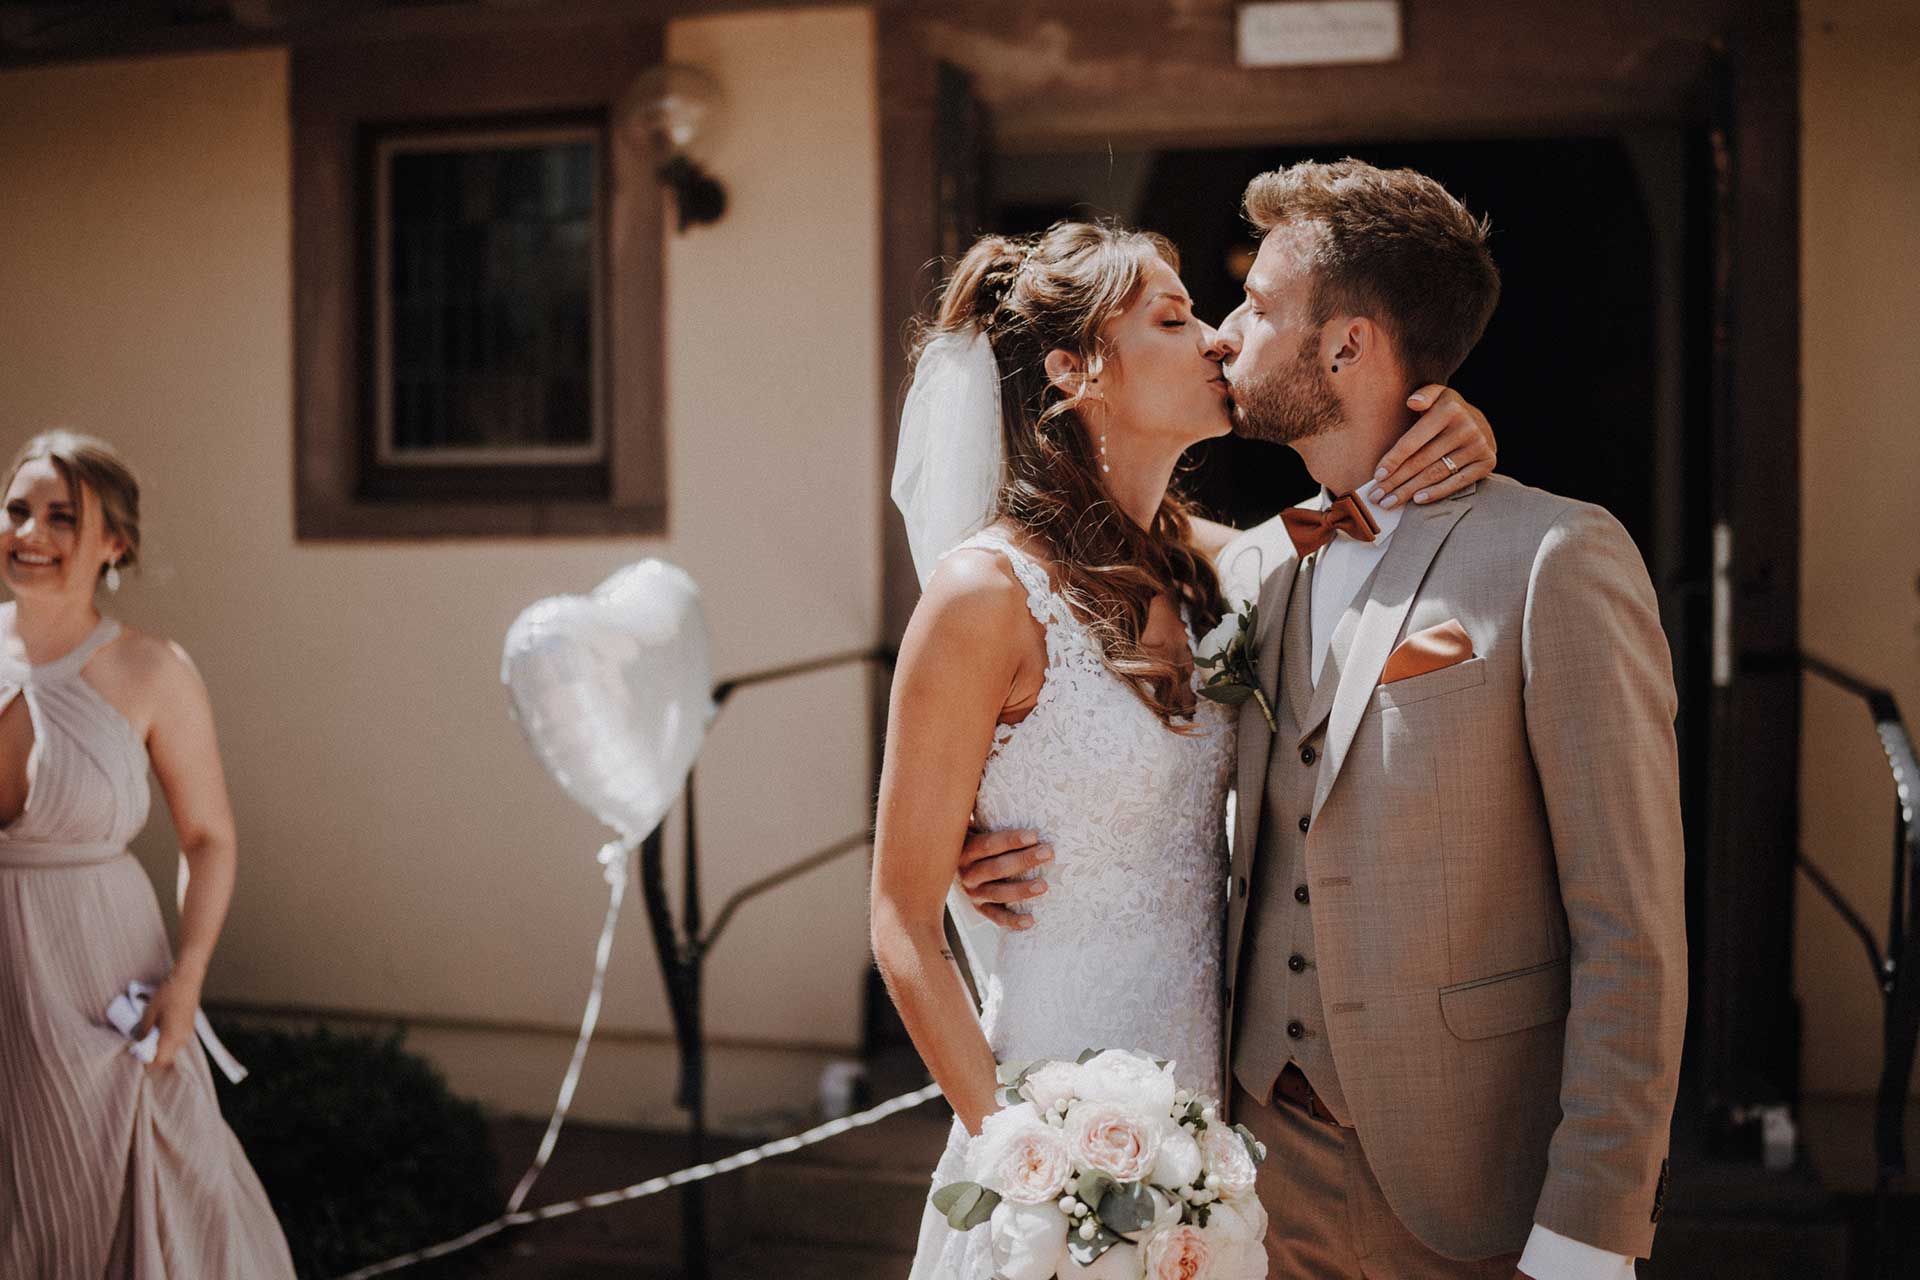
(490, 272)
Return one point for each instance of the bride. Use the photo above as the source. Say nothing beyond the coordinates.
(1046, 682)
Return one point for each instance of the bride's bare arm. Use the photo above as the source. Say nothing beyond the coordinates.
(959, 666)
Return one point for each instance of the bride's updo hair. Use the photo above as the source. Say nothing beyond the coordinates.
(1057, 291)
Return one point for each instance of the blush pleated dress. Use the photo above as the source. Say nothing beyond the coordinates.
(106, 1170)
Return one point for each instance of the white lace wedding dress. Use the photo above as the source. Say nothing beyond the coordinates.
(1125, 948)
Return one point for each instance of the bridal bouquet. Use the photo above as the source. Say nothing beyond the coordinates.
(1105, 1168)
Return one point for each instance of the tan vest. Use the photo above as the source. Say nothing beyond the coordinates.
(1278, 975)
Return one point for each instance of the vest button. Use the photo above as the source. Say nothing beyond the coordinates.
(1299, 893)
(1296, 962)
(1295, 1030)
(1305, 822)
(1308, 755)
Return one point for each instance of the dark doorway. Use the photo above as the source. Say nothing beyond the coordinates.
(1596, 369)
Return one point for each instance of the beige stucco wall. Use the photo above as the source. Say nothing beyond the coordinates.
(1860, 559)
(402, 852)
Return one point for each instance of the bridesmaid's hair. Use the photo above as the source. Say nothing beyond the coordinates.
(91, 465)
(1057, 291)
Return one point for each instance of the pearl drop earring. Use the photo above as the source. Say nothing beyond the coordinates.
(113, 577)
(1103, 452)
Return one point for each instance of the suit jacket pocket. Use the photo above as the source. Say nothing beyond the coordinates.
(1507, 1002)
(1461, 675)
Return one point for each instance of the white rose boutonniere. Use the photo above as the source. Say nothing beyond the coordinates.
(1228, 652)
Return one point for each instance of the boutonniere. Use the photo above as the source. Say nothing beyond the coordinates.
(1228, 652)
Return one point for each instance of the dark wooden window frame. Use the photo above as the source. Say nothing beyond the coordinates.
(344, 93)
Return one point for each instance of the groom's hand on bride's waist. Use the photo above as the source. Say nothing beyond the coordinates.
(997, 869)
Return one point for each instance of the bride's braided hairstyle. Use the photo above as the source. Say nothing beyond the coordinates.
(1057, 291)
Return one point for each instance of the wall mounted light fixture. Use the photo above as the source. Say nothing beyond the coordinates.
(674, 107)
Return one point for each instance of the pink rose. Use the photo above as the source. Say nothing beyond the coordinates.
(1115, 1140)
(1031, 1165)
(1178, 1253)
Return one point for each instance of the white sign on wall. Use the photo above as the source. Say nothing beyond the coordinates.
(1302, 33)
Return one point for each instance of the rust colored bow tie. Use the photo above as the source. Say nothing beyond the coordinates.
(1312, 530)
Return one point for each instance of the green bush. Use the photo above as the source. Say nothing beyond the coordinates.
(362, 1148)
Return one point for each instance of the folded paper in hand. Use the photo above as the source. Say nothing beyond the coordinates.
(125, 1010)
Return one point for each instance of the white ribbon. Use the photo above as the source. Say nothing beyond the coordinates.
(125, 1013)
(615, 857)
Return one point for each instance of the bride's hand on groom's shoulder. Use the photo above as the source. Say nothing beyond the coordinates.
(996, 869)
(1448, 427)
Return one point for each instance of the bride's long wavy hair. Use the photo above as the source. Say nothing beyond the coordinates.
(1058, 291)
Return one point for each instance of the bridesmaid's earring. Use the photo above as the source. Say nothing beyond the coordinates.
(1103, 452)
(113, 577)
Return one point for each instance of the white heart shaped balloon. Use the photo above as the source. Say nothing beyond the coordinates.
(614, 691)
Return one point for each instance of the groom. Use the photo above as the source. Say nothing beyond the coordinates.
(1455, 943)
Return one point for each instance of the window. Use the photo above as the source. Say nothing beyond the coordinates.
(477, 301)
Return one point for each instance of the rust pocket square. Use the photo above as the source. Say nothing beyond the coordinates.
(1426, 651)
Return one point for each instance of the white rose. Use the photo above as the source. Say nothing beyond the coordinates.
(1128, 1078)
(1227, 1159)
(1180, 1164)
(983, 1151)
(1237, 1230)
(1116, 1140)
(1178, 1253)
(1121, 1262)
(1030, 1165)
(1029, 1240)
(1055, 1082)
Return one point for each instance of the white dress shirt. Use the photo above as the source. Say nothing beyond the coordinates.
(1339, 571)
(1341, 568)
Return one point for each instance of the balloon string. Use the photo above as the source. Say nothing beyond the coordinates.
(615, 859)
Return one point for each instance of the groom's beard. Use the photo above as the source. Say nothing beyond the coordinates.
(1289, 405)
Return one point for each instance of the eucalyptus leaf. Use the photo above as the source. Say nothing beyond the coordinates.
(1012, 1074)
(1127, 1207)
(1093, 1189)
(1253, 1143)
(982, 1210)
(1231, 694)
(945, 1197)
(1087, 1252)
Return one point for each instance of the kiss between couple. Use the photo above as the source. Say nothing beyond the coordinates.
(1440, 970)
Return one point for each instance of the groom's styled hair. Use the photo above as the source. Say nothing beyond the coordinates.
(1394, 246)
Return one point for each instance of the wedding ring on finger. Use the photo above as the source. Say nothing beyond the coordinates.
(1452, 466)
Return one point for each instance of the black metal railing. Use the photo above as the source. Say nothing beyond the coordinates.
(1894, 964)
(683, 945)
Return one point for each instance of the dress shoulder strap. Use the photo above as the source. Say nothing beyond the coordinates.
(1046, 604)
(104, 633)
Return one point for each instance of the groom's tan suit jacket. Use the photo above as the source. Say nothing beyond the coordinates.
(1495, 865)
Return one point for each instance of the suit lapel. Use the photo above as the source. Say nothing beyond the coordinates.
(1398, 579)
(1256, 740)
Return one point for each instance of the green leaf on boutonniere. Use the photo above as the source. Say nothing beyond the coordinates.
(1231, 694)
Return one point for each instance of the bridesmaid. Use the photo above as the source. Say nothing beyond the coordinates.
(107, 1168)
